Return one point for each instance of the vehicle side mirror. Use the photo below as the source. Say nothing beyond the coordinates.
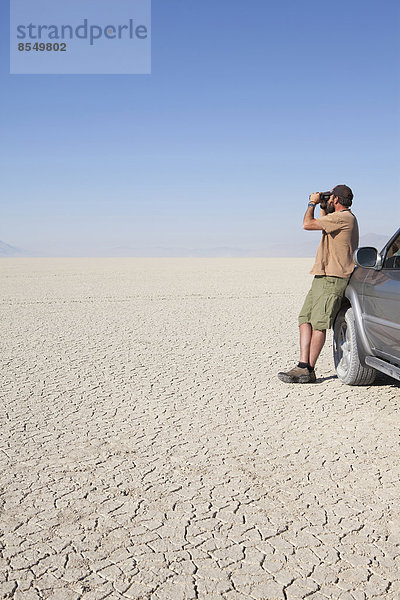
(368, 257)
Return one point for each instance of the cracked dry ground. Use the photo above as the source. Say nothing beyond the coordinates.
(149, 451)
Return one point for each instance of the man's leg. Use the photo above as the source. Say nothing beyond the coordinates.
(320, 307)
(302, 373)
(317, 342)
(305, 342)
(311, 343)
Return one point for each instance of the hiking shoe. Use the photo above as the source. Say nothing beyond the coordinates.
(298, 375)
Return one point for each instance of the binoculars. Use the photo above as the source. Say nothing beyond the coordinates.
(323, 199)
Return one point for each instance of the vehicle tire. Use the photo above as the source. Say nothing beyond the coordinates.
(345, 353)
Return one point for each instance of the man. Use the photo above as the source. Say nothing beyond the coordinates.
(332, 269)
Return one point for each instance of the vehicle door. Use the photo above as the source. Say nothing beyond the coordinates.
(381, 305)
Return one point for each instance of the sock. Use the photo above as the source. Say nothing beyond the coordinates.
(304, 365)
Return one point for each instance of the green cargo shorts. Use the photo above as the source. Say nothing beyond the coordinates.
(323, 301)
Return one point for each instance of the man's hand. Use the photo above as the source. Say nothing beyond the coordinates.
(315, 198)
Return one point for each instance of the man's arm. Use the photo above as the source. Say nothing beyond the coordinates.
(309, 222)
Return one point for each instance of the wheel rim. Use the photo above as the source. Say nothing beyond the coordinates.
(343, 349)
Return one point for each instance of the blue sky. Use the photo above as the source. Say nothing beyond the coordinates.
(250, 107)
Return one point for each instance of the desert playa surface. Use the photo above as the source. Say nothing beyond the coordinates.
(148, 450)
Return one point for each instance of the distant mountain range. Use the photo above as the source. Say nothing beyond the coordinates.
(375, 240)
(308, 248)
(293, 248)
(9, 251)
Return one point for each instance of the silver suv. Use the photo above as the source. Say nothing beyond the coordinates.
(366, 333)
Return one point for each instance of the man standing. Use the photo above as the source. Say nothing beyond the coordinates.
(332, 269)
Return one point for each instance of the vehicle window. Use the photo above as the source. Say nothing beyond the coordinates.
(392, 260)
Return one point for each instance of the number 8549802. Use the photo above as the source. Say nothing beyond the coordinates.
(42, 47)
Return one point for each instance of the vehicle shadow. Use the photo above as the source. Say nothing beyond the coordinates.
(380, 380)
(322, 379)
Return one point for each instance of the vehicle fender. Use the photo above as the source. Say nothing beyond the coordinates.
(363, 347)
